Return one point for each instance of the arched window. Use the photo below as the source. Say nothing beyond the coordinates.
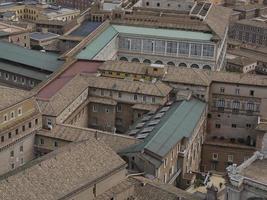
(123, 59)
(159, 62)
(182, 65)
(147, 61)
(135, 60)
(171, 63)
(194, 66)
(207, 67)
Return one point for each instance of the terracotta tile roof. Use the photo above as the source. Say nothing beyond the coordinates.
(64, 96)
(63, 76)
(143, 189)
(122, 66)
(61, 172)
(242, 61)
(102, 100)
(10, 96)
(73, 88)
(218, 22)
(75, 134)
(187, 75)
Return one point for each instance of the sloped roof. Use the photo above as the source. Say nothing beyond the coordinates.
(61, 172)
(178, 122)
(36, 59)
(91, 50)
(10, 96)
(218, 19)
(76, 134)
(187, 75)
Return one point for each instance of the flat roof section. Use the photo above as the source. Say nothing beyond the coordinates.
(85, 29)
(163, 33)
(43, 61)
(39, 36)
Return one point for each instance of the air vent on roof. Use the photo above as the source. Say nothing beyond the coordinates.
(142, 136)
(139, 125)
(158, 116)
(164, 109)
(147, 130)
(153, 122)
(133, 132)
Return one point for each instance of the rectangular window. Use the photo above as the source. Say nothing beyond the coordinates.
(196, 49)
(102, 92)
(19, 111)
(237, 91)
(2, 138)
(21, 161)
(251, 92)
(208, 50)
(135, 97)
(94, 108)
(119, 94)
(136, 44)
(165, 178)
(153, 99)
(215, 156)
(36, 121)
(248, 125)
(160, 46)
(165, 162)
(233, 125)
(41, 141)
(56, 144)
(144, 98)
(217, 125)
(23, 128)
(12, 154)
(17, 131)
(12, 115)
(171, 47)
(21, 148)
(222, 90)
(230, 158)
(5, 118)
(119, 109)
(9, 135)
(183, 48)
(148, 46)
(250, 106)
(30, 124)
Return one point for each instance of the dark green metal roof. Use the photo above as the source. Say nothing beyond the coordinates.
(98, 44)
(43, 61)
(178, 122)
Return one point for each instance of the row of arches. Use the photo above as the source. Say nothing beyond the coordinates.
(147, 61)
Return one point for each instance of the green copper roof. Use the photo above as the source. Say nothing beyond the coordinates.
(93, 48)
(98, 44)
(178, 122)
(163, 33)
(42, 61)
